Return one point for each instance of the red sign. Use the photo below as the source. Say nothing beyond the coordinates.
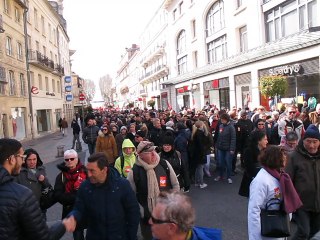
(82, 97)
(215, 83)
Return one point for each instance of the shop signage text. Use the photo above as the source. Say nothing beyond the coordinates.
(285, 70)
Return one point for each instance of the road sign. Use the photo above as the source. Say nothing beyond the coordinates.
(82, 97)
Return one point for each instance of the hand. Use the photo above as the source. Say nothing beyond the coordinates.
(70, 223)
(41, 178)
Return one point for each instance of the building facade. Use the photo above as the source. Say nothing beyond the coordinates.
(216, 51)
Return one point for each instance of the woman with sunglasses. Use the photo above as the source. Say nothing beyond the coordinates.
(33, 175)
(68, 181)
(106, 143)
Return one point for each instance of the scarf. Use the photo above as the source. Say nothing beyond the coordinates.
(291, 198)
(152, 181)
(74, 177)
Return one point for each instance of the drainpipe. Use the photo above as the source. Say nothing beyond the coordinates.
(28, 70)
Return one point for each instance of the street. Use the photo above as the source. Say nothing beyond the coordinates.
(217, 206)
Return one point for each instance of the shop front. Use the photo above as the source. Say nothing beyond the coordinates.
(303, 83)
(217, 93)
(183, 98)
(243, 90)
(44, 120)
(164, 101)
(18, 118)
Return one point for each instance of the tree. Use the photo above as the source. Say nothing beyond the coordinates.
(271, 86)
(151, 103)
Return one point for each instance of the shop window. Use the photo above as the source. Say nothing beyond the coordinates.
(215, 18)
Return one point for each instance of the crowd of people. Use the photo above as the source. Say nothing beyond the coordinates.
(142, 160)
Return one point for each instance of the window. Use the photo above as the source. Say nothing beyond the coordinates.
(49, 31)
(215, 18)
(9, 46)
(54, 37)
(6, 8)
(44, 49)
(3, 80)
(58, 86)
(19, 51)
(243, 39)
(217, 49)
(17, 15)
(181, 42)
(53, 85)
(47, 83)
(22, 85)
(174, 14)
(40, 82)
(290, 17)
(195, 59)
(12, 84)
(182, 65)
(181, 8)
(28, 14)
(35, 15)
(193, 29)
(43, 27)
(32, 79)
(37, 46)
(240, 3)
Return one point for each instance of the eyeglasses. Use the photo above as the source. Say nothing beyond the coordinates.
(293, 112)
(159, 221)
(23, 157)
(69, 159)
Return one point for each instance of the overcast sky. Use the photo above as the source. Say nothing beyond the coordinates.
(100, 30)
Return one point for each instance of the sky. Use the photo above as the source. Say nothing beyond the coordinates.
(100, 30)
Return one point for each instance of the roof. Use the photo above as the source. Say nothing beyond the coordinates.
(284, 45)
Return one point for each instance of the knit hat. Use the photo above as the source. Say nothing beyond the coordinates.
(145, 146)
(141, 133)
(8, 147)
(168, 140)
(312, 132)
(123, 127)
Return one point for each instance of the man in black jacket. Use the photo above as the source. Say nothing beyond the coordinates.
(90, 134)
(76, 131)
(21, 216)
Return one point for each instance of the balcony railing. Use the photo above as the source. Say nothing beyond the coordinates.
(42, 61)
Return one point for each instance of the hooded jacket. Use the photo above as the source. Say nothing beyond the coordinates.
(304, 170)
(129, 160)
(21, 217)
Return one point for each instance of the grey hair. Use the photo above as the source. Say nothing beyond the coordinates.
(70, 152)
(178, 209)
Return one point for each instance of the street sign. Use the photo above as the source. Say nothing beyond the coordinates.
(82, 97)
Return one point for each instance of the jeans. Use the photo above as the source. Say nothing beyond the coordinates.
(91, 147)
(308, 224)
(78, 235)
(207, 166)
(76, 138)
(199, 174)
(225, 162)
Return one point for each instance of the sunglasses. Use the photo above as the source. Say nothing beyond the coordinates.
(69, 159)
(159, 221)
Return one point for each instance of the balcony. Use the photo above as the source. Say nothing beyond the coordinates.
(156, 54)
(37, 59)
(155, 74)
(58, 70)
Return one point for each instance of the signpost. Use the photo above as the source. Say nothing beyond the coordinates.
(82, 97)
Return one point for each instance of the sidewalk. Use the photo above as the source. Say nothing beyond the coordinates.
(47, 145)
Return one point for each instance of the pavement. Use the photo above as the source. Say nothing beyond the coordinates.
(47, 146)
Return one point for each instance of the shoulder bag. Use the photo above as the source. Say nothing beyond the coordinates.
(274, 223)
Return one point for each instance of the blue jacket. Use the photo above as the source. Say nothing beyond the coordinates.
(227, 137)
(202, 233)
(110, 210)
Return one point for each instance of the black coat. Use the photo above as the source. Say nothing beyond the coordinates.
(21, 217)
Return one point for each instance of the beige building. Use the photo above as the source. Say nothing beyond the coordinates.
(14, 104)
(36, 42)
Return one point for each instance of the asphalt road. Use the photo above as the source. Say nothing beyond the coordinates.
(217, 206)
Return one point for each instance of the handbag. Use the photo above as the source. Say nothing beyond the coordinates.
(47, 197)
(274, 223)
